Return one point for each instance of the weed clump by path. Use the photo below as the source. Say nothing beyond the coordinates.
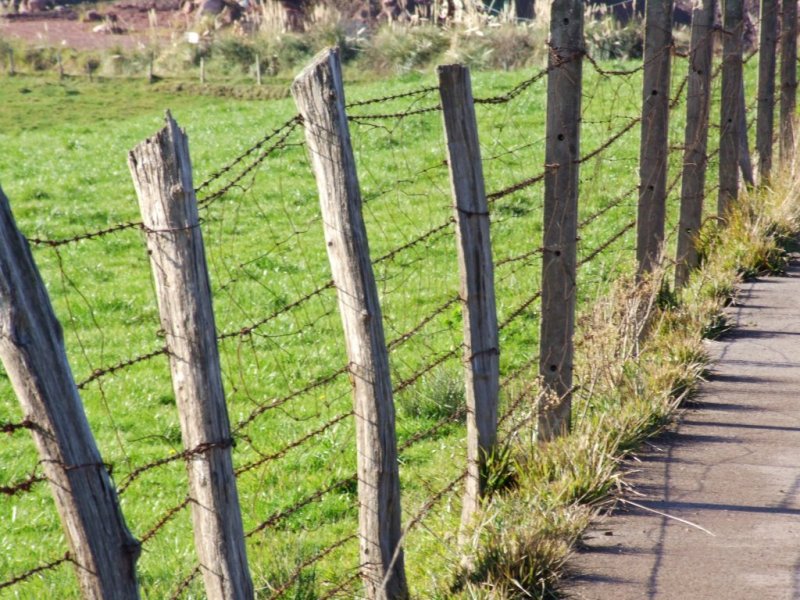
(640, 355)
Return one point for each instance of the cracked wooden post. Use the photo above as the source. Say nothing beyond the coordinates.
(730, 106)
(101, 547)
(765, 123)
(162, 174)
(319, 94)
(481, 345)
(559, 259)
(654, 144)
(695, 155)
(788, 80)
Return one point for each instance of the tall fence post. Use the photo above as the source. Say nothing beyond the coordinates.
(654, 144)
(730, 106)
(765, 120)
(481, 346)
(695, 157)
(32, 350)
(788, 80)
(162, 174)
(319, 94)
(560, 235)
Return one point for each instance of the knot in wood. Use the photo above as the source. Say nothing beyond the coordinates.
(176, 191)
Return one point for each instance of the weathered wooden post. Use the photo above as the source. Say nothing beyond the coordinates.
(202, 70)
(481, 345)
(730, 106)
(319, 94)
(560, 235)
(32, 350)
(745, 164)
(654, 144)
(258, 69)
(12, 70)
(788, 80)
(695, 157)
(765, 120)
(162, 174)
(60, 66)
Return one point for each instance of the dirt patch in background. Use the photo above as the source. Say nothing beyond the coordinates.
(139, 24)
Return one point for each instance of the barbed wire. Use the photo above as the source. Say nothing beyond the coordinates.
(49, 566)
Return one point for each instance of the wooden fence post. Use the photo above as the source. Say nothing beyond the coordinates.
(745, 164)
(12, 70)
(695, 157)
(481, 346)
(32, 350)
(560, 235)
(788, 80)
(654, 145)
(765, 122)
(730, 106)
(162, 174)
(319, 94)
(258, 69)
(202, 70)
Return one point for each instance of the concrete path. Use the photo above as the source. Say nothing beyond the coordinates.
(731, 469)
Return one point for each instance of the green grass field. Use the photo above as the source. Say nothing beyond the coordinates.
(63, 166)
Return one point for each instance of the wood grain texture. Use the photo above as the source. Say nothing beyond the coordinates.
(162, 174)
(319, 94)
(730, 106)
(481, 345)
(767, 58)
(654, 142)
(695, 155)
(788, 80)
(32, 350)
(560, 234)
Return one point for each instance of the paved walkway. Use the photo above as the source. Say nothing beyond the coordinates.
(730, 470)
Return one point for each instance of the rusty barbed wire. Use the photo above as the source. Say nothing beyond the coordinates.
(206, 201)
(404, 337)
(12, 427)
(226, 168)
(163, 520)
(265, 458)
(185, 454)
(613, 204)
(318, 556)
(22, 486)
(341, 587)
(396, 115)
(319, 382)
(185, 583)
(519, 310)
(289, 511)
(31, 572)
(606, 244)
(389, 98)
(121, 365)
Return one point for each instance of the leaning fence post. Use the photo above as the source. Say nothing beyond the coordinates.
(730, 106)
(560, 235)
(788, 80)
(695, 158)
(32, 351)
(481, 346)
(162, 174)
(765, 122)
(319, 94)
(654, 146)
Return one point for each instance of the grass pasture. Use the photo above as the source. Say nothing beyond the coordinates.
(63, 166)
